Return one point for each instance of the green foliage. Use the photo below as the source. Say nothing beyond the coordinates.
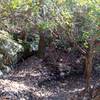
(46, 25)
(85, 35)
(79, 19)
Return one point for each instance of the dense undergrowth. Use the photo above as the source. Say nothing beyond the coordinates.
(65, 34)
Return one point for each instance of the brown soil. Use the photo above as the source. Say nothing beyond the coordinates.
(30, 81)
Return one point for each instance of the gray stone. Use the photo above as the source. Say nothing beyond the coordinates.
(7, 69)
(9, 49)
(1, 73)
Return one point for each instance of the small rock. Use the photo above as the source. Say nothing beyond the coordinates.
(22, 98)
(62, 74)
(8, 69)
(1, 73)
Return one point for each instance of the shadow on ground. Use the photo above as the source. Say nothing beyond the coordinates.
(30, 81)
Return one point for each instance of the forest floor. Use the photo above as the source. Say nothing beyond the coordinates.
(29, 81)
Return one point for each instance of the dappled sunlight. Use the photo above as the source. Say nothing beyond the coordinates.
(76, 90)
(9, 85)
(43, 93)
(49, 49)
(35, 74)
(23, 73)
(13, 86)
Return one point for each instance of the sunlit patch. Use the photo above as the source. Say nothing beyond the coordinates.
(16, 87)
(43, 93)
(9, 85)
(35, 74)
(61, 59)
(31, 73)
(76, 90)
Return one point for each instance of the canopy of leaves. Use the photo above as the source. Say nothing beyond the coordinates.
(79, 16)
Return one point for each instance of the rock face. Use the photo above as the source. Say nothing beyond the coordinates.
(10, 50)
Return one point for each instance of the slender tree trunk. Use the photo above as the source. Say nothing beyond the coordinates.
(41, 49)
(88, 66)
(88, 69)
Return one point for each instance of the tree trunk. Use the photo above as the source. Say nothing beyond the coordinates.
(88, 66)
(41, 49)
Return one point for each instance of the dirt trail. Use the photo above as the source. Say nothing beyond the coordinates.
(30, 81)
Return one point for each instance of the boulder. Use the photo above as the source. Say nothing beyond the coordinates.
(10, 50)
